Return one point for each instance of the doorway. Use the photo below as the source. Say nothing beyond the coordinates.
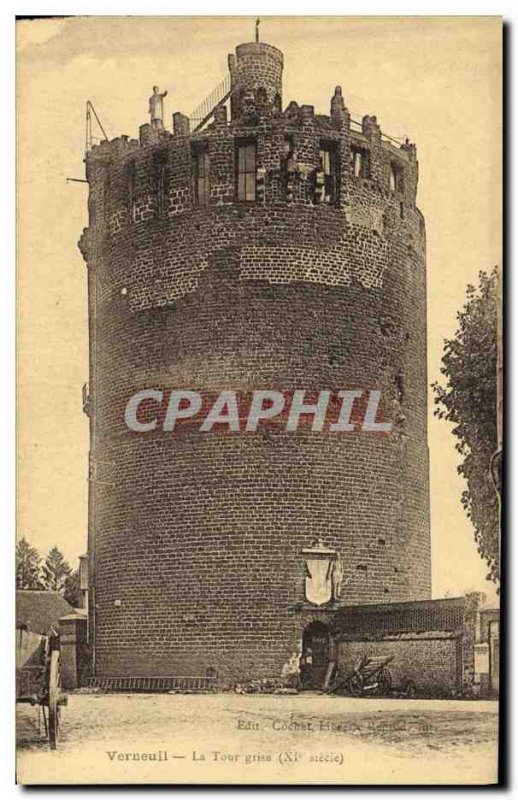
(315, 655)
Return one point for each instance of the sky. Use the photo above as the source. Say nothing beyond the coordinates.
(433, 79)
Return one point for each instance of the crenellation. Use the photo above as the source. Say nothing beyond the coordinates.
(181, 124)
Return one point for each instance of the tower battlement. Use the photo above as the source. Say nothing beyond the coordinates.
(263, 177)
(288, 148)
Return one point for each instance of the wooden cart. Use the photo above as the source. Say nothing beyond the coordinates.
(369, 676)
(38, 678)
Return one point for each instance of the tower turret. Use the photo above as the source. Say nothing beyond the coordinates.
(256, 69)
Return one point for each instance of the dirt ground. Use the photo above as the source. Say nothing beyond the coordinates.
(229, 738)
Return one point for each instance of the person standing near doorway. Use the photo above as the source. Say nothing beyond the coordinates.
(306, 668)
(291, 672)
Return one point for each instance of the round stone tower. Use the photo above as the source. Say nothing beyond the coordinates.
(273, 249)
(256, 68)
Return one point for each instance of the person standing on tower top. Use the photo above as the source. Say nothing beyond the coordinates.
(156, 108)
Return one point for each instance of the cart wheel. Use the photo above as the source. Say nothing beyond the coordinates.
(355, 685)
(54, 695)
(384, 682)
(410, 689)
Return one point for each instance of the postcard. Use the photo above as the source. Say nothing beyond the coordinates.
(260, 400)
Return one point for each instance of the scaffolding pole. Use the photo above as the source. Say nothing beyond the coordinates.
(88, 136)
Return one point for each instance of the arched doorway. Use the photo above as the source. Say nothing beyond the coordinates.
(315, 655)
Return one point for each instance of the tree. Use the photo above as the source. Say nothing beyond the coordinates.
(467, 399)
(55, 571)
(72, 592)
(28, 566)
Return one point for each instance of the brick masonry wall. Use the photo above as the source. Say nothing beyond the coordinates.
(200, 536)
(431, 661)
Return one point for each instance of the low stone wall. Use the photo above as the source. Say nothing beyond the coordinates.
(432, 642)
(432, 662)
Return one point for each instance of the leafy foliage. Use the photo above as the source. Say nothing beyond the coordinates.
(28, 566)
(72, 589)
(55, 571)
(467, 399)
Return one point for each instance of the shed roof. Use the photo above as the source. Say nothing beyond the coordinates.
(39, 611)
